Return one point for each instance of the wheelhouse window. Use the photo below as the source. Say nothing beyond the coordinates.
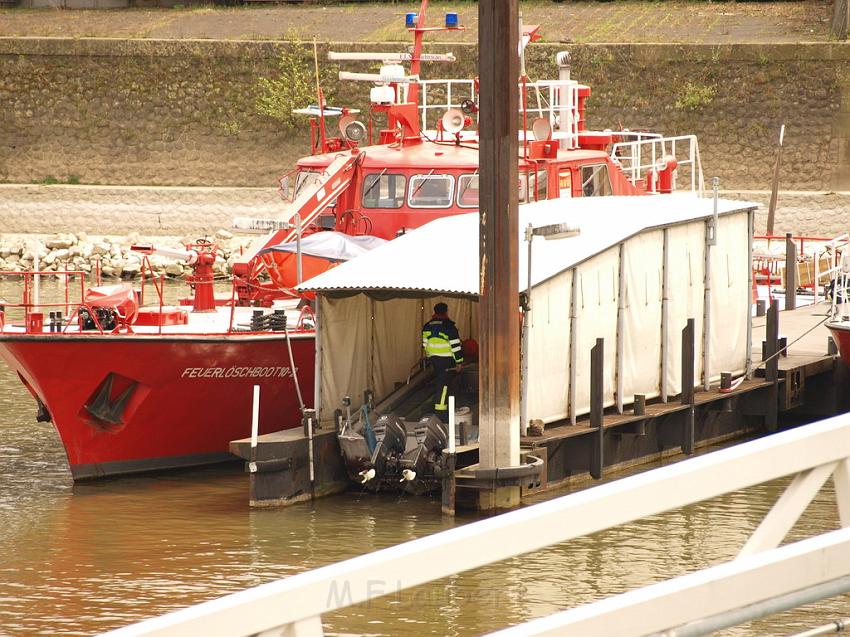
(431, 191)
(533, 186)
(384, 190)
(595, 181)
(303, 180)
(467, 191)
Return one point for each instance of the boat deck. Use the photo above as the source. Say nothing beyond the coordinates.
(216, 323)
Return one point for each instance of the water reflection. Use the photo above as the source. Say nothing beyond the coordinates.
(76, 560)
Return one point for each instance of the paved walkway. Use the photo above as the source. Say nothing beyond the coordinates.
(695, 22)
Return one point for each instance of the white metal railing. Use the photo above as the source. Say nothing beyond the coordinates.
(556, 101)
(837, 260)
(294, 606)
(840, 284)
(437, 96)
(639, 158)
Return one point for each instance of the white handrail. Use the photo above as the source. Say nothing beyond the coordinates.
(547, 99)
(700, 603)
(638, 158)
(297, 603)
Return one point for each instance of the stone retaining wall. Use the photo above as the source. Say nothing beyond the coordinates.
(810, 214)
(183, 112)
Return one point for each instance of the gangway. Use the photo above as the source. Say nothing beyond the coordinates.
(760, 580)
(305, 209)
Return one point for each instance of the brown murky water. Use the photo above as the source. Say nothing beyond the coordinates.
(77, 560)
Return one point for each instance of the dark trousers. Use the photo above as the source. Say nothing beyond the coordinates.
(443, 375)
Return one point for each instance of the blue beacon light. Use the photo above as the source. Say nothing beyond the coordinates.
(410, 20)
(451, 20)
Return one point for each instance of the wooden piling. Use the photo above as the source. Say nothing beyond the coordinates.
(688, 394)
(449, 485)
(597, 394)
(498, 35)
(640, 405)
(790, 272)
(771, 371)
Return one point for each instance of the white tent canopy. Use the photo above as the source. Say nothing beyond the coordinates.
(443, 254)
(638, 269)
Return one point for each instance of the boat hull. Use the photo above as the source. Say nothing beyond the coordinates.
(840, 332)
(124, 404)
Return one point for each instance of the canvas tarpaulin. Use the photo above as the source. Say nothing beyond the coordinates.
(549, 348)
(641, 336)
(597, 301)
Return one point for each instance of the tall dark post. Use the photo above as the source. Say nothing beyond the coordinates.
(790, 273)
(499, 328)
(771, 369)
(597, 409)
(688, 394)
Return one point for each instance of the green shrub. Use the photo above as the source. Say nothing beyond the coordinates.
(695, 96)
(294, 86)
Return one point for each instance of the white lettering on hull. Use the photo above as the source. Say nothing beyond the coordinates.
(237, 372)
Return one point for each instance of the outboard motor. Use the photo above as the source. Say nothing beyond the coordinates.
(436, 434)
(421, 467)
(392, 438)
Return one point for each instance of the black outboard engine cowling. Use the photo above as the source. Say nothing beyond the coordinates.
(436, 435)
(422, 468)
(392, 438)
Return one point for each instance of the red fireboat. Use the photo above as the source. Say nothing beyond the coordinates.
(132, 386)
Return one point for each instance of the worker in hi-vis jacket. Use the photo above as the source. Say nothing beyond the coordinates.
(442, 346)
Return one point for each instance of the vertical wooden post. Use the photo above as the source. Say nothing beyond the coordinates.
(498, 67)
(640, 405)
(688, 394)
(449, 485)
(771, 371)
(790, 273)
(597, 394)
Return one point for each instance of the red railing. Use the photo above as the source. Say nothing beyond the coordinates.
(28, 317)
(160, 289)
(33, 318)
